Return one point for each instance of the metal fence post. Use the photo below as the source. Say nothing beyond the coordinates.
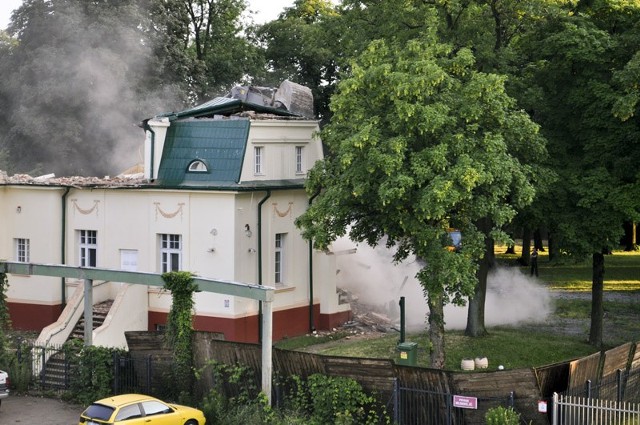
(587, 389)
(449, 398)
(554, 409)
(116, 370)
(396, 390)
(67, 371)
(148, 374)
(43, 367)
(512, 401)
(619, 385)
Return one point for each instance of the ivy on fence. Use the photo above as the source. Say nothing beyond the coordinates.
(5, 319)
(180, 331)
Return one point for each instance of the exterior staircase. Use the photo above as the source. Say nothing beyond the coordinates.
(56, 372)
(100, 312)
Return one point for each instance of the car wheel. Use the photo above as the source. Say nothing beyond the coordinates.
(191, 422)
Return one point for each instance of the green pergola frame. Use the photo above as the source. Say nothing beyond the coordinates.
(264, 294)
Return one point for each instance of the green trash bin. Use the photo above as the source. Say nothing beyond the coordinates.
(407, 353)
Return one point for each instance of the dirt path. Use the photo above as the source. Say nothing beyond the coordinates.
(35, 410)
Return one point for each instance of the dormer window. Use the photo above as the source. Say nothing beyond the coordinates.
(197, 166)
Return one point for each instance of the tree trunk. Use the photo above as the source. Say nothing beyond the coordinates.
(526, 246)
(435, 302)
(537, 240)
(475, 313)
(511, 249)
(553, 249)
(629, 240)
(597, 309)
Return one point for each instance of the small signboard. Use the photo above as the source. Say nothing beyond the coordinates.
(542, 406)
(465, 402)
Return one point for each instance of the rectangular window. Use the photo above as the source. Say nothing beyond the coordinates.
(258, 159)
(279, 259)
(22, 250)
(170, 253)
(299, 167)
(88, 248)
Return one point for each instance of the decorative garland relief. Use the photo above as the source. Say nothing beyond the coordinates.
(282, 213)
(168, 214)
(86, 211)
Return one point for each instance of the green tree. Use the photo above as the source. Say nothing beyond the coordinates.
(301, 46)
(214, 39)
(571, 67)
(420, 142)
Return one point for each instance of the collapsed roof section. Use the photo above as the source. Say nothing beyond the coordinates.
(289, 100)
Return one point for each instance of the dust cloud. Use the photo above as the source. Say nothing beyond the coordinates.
(96, 70)
(370, 276)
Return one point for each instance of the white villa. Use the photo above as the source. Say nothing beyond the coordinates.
(221, 188)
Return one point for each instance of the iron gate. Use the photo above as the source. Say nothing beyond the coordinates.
(413, 406)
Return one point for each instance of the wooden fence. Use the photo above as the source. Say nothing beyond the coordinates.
(376, 376)
(529, 386)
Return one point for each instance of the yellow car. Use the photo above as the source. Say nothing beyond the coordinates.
(134, 409)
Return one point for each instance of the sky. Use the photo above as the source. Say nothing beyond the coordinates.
(267, 9)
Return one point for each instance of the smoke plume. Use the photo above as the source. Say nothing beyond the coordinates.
(370, 275)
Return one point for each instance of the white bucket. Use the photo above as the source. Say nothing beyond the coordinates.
(467, 364)
(481, 362)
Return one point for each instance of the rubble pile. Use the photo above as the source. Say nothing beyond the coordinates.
(370, 318)
(123, 180)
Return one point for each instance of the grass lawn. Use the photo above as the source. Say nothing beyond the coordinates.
(523, 345)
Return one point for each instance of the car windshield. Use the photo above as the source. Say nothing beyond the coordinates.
(98, 411)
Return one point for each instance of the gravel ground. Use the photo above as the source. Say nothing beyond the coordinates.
(35, 410)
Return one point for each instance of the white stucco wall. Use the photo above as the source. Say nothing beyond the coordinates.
(279, 139)
(34, 213)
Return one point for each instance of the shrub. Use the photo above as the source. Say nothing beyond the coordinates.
(92, 377)
(335, 400)
(502, 416)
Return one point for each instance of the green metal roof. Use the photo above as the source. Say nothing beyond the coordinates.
(225, 106)
(219, 144)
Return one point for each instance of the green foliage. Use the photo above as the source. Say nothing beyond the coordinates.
(247, 405)
(502, 416)
(334, 400)
(318, 400)
(220, 411)
(5, 319)
(92, 377)
(421, 142)
(301, 46)
(180, 330)
(17, 363)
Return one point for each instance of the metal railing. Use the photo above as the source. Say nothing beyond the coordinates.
(575, 410)
(611, 400)
(623, 385)
(51, 368)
